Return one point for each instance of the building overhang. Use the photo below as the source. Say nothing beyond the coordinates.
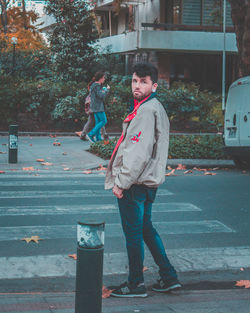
(182, 41)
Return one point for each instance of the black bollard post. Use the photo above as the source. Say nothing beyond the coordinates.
(89, 267)
(13, 143)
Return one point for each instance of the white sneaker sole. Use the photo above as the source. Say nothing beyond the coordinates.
(171, 288)
(143, 295)
(89, 139)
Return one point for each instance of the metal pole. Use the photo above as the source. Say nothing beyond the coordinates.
(13, 143)
(14, 59)
(89, 269)
(224, 59)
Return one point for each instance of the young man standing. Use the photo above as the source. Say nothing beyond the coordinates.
(136, 169)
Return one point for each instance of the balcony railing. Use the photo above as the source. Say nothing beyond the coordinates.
(205, 28)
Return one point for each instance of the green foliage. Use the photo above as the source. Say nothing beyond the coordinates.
(71, 38)
(180, 147)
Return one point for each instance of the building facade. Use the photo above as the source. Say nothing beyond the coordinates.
(183, 38)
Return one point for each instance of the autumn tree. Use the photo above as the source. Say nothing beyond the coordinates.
(20, 24)
(72, 37)
(241, 21)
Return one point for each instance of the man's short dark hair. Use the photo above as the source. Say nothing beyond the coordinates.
(146, 69)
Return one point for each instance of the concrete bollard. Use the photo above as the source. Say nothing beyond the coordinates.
(13, 143)
(89, 267)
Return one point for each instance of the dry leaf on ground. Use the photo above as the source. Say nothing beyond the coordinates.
(200, 169)
(66, 169)
(209, 173)
(181, 167)
(56, 143)
(87, 172)
(47, 163)
(52, 136)
(171, 173)
(105, 292)
(1, 152)
(32, 238)
(2, 172)
(4, 144)
(64, 153)
(101, 168)
(30, 144)
(40, 160)
(243, 283)
(73, 256)
(31, 168)
(188, 172)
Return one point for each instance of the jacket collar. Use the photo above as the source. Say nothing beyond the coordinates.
(136, 104)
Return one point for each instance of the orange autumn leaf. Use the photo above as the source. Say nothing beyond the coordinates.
(2, 172)
(87, 172)
(32, 238)
(188, 172)
(31, 168)
(56, 143)
(243, 283)
(47, 163)
(181, 167)
(66, 169)
(31, 144)
(106, 142)
(73, 256)
(40, 160)
(200, 169)
(209, 173)
(101, 168)
(106, 292)
(171, 173)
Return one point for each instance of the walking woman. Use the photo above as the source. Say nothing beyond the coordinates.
(98, 94)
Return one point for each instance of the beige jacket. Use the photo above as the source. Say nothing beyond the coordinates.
(142, 156)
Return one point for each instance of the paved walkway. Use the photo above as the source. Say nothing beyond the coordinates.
(70, 153)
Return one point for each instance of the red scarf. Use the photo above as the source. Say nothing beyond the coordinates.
(127, 120)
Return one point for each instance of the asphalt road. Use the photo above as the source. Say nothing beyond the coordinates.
(203, 221)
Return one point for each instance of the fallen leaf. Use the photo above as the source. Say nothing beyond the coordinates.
(101, 168)
(56, 143)
(40, 160)
(32, 238)
(209, 173)
(87, 172)
(2, 172)
(215, 169)
(31, 168)
(200, 169)
(243, 283)
(169, 168)
(78, 134)
(242, 269)
(13, 169)
(73, 256)
(106, 292)
(1, 152)
(30, 144)
(181, 167)
(52, 136)
(4, 144)
(145, 268)
(106, 142)
(171, 173)
(66, 169)
(64, 153)
(47, 163)
(188, 172)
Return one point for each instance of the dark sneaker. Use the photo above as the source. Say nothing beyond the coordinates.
(164, 286)
(90, 138)
(83, 138)
(125, 290)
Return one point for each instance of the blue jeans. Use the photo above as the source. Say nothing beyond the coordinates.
(100, 121)
(135, 211)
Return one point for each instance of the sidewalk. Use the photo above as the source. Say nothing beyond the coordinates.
(72, 154)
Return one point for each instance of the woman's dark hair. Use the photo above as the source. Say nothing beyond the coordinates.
(146, 69)
(96, 77)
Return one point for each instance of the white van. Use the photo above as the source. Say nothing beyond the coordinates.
(237, 122)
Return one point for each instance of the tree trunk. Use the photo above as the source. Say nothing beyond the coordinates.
(4, 17)
(241, 20)
(24, 15)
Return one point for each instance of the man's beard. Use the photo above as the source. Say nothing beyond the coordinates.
(140, 96)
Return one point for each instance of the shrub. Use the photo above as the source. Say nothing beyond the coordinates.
(180, 147)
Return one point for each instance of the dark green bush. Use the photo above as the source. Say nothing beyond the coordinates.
(180, 147)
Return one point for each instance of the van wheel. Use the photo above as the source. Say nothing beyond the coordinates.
(242, 163)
